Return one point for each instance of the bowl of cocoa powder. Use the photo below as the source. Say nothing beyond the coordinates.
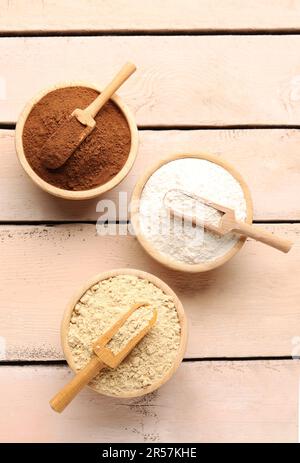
(102, 160)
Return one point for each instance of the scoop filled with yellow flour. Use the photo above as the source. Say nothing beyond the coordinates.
(153, 357)
(131, 328)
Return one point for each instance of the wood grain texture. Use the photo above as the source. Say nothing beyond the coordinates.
(267, 159)
(248, 307)
(153, 15)
(187, 80)
(220, 402)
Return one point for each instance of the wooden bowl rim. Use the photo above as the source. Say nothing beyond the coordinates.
(157, 282)
(165, 260)
(82, 194)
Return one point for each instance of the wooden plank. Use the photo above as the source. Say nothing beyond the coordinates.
(268, 159)
(231, 402)
(249, 307)
(153, 15)
(187, 80)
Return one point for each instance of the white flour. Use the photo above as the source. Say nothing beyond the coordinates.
(188, 244)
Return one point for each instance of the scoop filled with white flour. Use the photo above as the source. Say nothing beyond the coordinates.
(180, 241)
(153, 358)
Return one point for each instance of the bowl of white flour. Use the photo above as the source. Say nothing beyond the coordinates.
(99, 304)
(177, 243)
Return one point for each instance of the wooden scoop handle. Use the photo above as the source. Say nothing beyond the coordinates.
(104, 96)
(259, 234)
(71, 389)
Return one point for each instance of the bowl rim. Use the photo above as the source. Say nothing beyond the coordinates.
(152, 279)
(149, 248)
(70, 194)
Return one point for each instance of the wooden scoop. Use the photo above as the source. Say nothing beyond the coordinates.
(102, 358)
(69, 135)
(228, 223)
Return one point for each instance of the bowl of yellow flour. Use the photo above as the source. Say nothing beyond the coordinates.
(99, 304)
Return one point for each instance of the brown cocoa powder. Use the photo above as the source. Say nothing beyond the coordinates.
(100, 156)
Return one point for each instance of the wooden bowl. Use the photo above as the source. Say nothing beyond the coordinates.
(165, 260)
(157, 282)
(83, 194)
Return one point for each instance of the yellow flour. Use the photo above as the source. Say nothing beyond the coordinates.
(100, 307)
(134, 324)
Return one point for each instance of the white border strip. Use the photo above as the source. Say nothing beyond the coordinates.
(299, 411)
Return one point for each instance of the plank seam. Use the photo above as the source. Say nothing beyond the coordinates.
(185, 360)
(53, 223)
(148, 32)
(221, 127)
(156, 128)
(239, 359)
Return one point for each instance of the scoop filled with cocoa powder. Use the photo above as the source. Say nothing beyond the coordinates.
(98, 159)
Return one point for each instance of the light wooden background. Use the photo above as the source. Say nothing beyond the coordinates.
(221, 77)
